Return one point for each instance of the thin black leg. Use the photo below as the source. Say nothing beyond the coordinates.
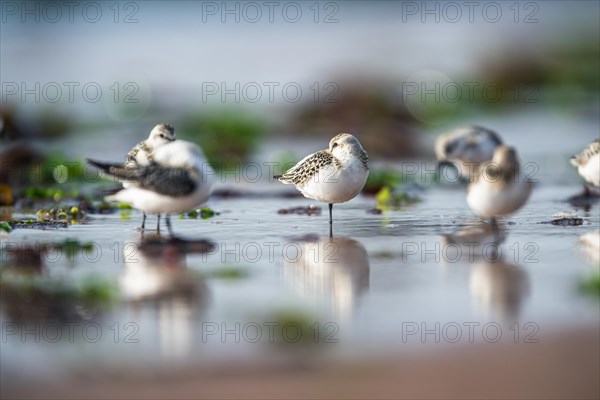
(143, 220)
(330, 220)
(158, 223)
(495, 230)
(168, 220)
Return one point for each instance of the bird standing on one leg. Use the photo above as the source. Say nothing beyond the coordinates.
(500, 187)
(331, 176)
(143, 154)
(178, 179)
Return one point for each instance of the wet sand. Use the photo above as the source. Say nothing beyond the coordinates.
(561, 366)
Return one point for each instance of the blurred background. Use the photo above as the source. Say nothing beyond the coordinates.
(92, 80)
(264, 84)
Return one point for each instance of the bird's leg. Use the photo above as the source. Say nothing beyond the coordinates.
(168, 220)
(158, 223)
(330, 220)
(495, 230)
(143, 220)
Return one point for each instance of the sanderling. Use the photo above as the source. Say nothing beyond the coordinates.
(500, 187)
(178, 179)
(142, 154)
(335, 175)
(466, 148)
(588, 165)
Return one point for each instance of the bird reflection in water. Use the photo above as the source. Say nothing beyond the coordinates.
(333, 272)
(156, 274)
(476, 240)
(590, 243)
(499, 286)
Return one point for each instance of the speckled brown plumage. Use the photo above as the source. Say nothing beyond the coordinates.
(591, 150)
(309, 167)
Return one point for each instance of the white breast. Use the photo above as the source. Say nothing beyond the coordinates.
(488, 199)
(591, 170)
(336, 185)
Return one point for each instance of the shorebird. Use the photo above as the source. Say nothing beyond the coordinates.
(500, 187)
(142, 154)
(588, 165)
(331, 176)
(466, 148)
(176, 180)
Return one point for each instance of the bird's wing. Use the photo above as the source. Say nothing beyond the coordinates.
(495, 137)
(117, 170)
(482, 132)
(164, 180)
(141, 153)
(168, 181)
(591, 150)
(308, 167)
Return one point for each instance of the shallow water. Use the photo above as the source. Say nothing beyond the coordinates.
(374, 288)
(276, 287)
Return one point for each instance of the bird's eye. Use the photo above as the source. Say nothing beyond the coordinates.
(162, 136)
(334, 145)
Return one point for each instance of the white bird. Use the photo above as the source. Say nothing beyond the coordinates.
(143, 154)
(588, 165)
(466, 148)
(178, 179)
(500, 187)
(331, 176)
